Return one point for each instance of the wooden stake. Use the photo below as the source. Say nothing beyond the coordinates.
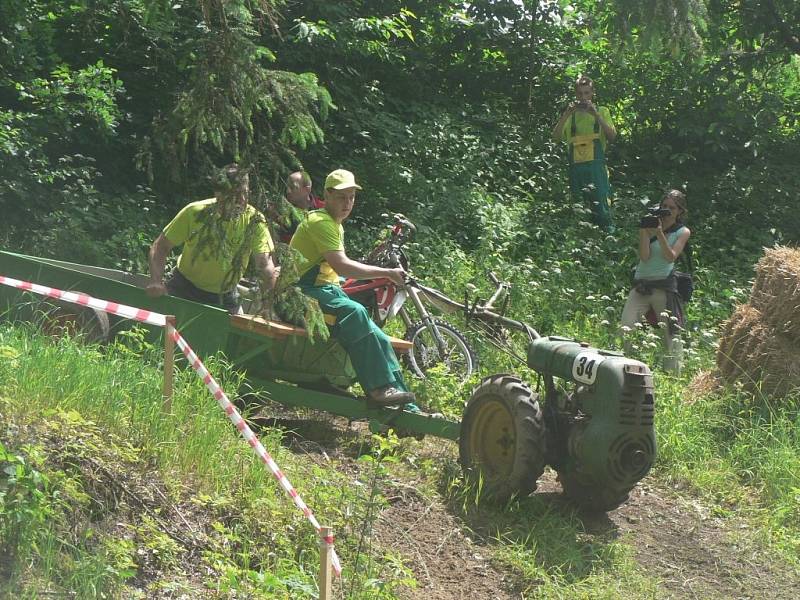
(325, 567)
(169, 366)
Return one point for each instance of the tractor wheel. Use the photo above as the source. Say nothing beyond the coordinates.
(458, 357)
(591, 498)
(57, 319)
(502, 437)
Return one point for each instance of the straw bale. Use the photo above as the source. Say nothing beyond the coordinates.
(758, 356)
(776, 290)
(744, 364)
(779, 361)
(735, 336)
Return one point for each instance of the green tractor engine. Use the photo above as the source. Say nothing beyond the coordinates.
(594, 426)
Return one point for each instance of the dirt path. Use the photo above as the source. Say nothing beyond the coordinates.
(446, 561)
(695, 554)
(675, 538)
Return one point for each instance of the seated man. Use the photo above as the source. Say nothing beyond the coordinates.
(320, 240)
(291, 210)
(218, 236)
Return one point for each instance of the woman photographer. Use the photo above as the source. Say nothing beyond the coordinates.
(662, 239)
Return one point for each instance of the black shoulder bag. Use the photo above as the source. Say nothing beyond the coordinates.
(685, 281)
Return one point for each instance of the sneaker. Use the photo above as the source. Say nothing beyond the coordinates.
(390, 396)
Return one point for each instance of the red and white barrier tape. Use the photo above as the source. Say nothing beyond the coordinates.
(123, 310)
(146, 316)
(247, 433)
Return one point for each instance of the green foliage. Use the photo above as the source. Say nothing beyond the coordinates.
(25, 504)
(292, 305)
(229, 105)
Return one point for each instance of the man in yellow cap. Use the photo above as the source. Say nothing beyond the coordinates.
(320, 239)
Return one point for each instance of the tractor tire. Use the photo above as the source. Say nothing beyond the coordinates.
(460, 358)
(591, 498)
(502, 442)
(57, 319)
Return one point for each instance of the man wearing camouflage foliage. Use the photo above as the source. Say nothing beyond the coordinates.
(219, 235)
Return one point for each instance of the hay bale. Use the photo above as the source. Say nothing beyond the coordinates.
(776, 290)
(760, 342)
(753, 353)
(779, 360)
(735, 341)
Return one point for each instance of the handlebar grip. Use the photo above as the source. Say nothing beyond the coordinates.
(493, 278)
(400, 219)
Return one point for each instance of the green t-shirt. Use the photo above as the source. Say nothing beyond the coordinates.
(208, 267)
(584, 124)
(316, 235)
(657, 266)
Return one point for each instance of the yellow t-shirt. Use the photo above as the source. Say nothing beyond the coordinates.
(584, 125)
(317, 234)
(208, 267)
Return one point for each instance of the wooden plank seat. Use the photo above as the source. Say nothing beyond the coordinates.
(280, 330)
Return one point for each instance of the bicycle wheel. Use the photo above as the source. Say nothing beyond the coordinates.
(458, 357)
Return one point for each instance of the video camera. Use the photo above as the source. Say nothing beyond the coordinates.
(653, 216)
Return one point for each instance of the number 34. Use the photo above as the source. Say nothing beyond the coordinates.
(584, 367)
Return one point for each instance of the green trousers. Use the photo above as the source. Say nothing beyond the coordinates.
(369, 348)
(589, 181)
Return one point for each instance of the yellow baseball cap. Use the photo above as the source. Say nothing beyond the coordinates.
(341, 179)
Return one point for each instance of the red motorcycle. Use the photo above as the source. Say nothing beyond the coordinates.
(435, 342)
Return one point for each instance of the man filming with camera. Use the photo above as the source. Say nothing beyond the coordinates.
(662, 239)
(587, 129)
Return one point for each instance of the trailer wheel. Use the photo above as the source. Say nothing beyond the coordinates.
(502, 437)
(57, 319)
(591, 498)
(458, 356)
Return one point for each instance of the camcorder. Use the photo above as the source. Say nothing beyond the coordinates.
(652, 218)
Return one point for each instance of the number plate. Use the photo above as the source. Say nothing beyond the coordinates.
(584, 367)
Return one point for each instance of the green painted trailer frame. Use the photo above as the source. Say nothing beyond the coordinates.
(277, 358)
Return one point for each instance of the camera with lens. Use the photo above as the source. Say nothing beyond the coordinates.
(652, 218)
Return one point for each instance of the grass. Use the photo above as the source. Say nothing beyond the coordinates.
(742, 453)
(106, 405)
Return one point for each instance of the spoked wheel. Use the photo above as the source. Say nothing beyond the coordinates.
(502, 437)
(57, 319)
(425, 353)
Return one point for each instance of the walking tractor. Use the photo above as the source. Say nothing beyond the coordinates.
(590, 418)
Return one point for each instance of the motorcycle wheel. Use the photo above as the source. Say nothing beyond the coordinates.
(459, 358)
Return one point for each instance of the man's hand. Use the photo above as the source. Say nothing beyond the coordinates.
(397, 275)
(589, 107)
(156, 289)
